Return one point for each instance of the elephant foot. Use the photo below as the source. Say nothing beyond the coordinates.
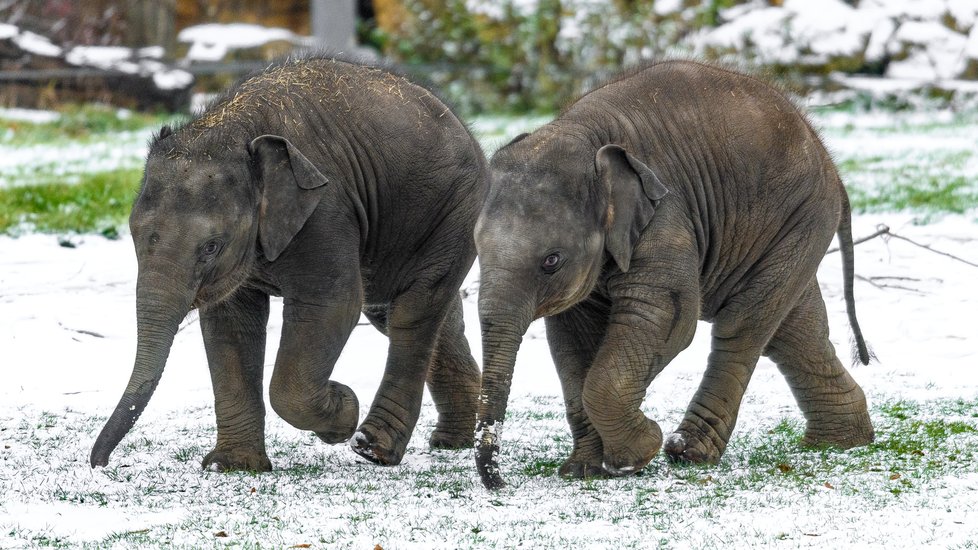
(689, 447)
(576, 469)
(332, 415)
(641, 446)
(376, 448)
(339, 435)
(451, 439)
(243, 459)
(854, 430)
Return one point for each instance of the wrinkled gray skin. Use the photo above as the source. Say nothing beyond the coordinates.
(676, 193)
(342, 189)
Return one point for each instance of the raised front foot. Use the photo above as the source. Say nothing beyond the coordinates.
(332, 414)
(346, 414)
(245, 459)
(634, 452)
(379, 447)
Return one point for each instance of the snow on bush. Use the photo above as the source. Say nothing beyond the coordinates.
(536, 54)
(925, 41)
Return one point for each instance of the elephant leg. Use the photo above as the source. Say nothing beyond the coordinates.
(654, 309)
(234, 339)
(833, 404)
(313, 335)
(412, 325)
(574, 337)
(741, 330)
(454, 381)
(711, 416)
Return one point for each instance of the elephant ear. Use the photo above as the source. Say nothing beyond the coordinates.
(291, 190)
(633, 192)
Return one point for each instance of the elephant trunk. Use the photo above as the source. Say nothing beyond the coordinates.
(158, 316)
(505, 315)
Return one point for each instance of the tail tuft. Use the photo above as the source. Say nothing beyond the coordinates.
(861, 352)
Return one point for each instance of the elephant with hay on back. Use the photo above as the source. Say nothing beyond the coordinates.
(343, 189)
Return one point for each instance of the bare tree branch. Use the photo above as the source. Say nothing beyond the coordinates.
(884, 231)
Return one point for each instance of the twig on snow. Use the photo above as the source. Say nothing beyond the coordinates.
(82, 331)
(884, 231)
(884, 286)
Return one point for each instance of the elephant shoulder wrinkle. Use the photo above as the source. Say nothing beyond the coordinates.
(264, 282)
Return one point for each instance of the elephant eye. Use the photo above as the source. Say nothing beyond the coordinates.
(552, 262)
(210, 249)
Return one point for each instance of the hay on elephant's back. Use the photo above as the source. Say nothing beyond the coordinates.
(311, 79)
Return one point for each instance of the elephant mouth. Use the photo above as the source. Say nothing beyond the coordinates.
(208, 295)
(578, 291)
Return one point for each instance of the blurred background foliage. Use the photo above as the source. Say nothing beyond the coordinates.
(519, 55)
(536, 55)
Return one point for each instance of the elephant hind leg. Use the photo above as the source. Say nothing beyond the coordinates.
(454, 381)
(833, 404)
(741, 330)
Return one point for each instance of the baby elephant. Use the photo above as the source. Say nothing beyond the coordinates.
(341, 188)
(677, 192)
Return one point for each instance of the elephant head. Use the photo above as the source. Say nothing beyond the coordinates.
(558, 213)
(195, 225)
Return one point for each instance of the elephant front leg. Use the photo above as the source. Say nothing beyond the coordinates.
(709, 421)
(313, 335)
(645, 332)
(234, 339)
(574, 337)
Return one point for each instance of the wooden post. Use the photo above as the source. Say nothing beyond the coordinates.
(151, 23)
(334, 24)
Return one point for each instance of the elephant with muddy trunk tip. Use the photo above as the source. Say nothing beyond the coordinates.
(678, 192)
(344, 189)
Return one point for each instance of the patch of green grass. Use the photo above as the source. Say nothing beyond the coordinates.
(78, 122)
(130, 539)
(928, 194)
(543, 467)
(100, 203)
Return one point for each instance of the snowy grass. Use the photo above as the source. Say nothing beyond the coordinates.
(66, 147)
(154, 493)
(907, 161)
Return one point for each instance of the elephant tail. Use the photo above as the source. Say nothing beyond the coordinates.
(861, 351)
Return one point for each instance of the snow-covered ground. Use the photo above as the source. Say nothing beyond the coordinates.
(67, 330)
